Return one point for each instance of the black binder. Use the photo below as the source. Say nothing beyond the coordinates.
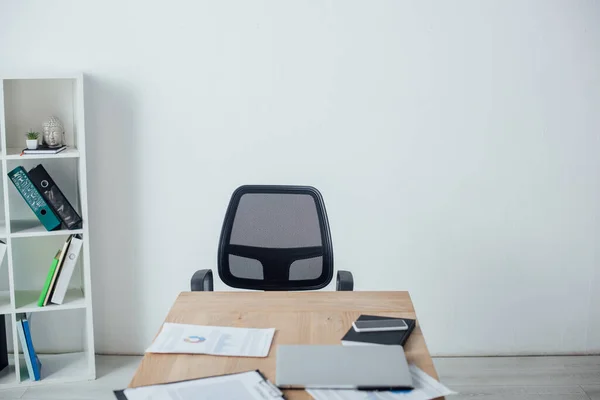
(120, 394)
(385, 338)
(54, 197)
(3, 344)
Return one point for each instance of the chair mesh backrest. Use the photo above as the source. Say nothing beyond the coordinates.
(277, 238)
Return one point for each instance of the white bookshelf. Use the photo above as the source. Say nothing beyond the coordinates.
(63, 335)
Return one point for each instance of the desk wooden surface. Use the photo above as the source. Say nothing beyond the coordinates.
(299, 318)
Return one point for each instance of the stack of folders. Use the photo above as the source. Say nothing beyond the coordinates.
(250, 385)
(60, 273)
(202, 339)
(32, 361)
(45, 198)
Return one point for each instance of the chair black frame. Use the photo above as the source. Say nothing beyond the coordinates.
(276, 278)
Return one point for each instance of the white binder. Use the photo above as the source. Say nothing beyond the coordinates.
(60, 288)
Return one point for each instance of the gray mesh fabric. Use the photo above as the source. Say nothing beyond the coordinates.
(310, 268)
(246, 268)
(276, 220)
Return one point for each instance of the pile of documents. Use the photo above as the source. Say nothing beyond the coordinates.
(214, 340)
(218, 341)
(247, 342)
(246, 385)
(425, 388)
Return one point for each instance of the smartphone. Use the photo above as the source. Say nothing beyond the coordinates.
(380, 325)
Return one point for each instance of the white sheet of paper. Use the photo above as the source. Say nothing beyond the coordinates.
(246, 385)
(426, 388)
(215, 340)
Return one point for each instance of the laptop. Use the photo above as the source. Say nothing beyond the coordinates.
(342, 367)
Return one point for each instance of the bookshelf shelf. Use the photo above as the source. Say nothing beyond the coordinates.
(63, 335)
(33, 228)
(8, 376)
(60, 368)
(26, 301)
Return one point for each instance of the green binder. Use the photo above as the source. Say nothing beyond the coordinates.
(48, 280)
(33, 198)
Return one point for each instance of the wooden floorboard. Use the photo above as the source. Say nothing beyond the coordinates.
(593, 391)
(519, 393)
(520, 371)
(475, 378)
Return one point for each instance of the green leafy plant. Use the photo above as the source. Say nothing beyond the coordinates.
(31, 135)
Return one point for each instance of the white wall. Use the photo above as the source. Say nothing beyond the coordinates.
(456, 145)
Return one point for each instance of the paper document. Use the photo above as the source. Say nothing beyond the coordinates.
(215, 340)
(246, 385)
(426, 388)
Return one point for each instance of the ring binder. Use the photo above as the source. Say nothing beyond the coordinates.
(268, 389)
(55, 198)
(253, 383)
(33, 198)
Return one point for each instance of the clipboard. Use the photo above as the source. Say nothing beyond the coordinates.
(264, 388)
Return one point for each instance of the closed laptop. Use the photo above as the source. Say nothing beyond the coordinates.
(342, 367)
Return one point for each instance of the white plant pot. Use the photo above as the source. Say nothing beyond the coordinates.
(32, 144)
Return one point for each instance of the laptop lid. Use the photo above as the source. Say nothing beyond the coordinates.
(342, 367)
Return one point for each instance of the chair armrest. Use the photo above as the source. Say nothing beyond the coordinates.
(202, 281)
(344, 281)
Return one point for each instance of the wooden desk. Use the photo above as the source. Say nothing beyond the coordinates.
(299, 318)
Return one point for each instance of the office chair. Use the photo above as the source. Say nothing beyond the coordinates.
(275, 238)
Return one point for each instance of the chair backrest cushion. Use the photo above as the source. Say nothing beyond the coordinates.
(276, 238)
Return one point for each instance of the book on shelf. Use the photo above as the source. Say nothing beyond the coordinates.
(382, 338)
(31, 359)
(54, 197)
(34, 199)
(66, 272)
(43, 149)
(35, 361)
(25, 348)
(61, 260)
(3, 344)
(49, 278)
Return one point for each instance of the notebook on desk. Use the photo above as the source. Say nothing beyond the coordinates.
(352, 337)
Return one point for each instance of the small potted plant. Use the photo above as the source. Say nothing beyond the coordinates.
(32, 140)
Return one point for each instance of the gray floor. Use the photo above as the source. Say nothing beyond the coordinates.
(522, 378)
(497, 378)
